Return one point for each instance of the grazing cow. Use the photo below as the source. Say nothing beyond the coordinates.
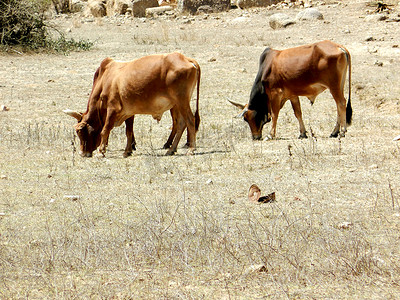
(302, 71)
(149, 85)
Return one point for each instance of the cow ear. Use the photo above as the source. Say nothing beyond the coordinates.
(241, 106)
(74, 114)
(80, 126)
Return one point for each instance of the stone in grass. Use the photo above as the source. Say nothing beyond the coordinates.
(280, 20)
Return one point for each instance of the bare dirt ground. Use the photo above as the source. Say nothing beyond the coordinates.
(181, 227)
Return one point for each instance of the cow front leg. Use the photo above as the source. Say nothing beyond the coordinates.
(297, 112)
(105, 132)
(130, 137)
(275, 108)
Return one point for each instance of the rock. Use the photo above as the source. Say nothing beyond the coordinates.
(77, 6)
(4, 108)
(153, 11)
(95, 8)
(255, 269)
(240, 20)
(117, 7)
(72, 197)
(139, 7)
(376, 18)
(280, 20)
(255, 3)
(309, 14)
(205, 9)
(345, 225)
(191, 6)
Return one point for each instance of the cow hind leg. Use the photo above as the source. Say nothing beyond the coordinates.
(297, 112)
(180, 128)
(189, 119)
(174, 116)
(341, 125)
(130, 137)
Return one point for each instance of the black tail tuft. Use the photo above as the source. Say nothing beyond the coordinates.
(349, 113)
(197, 120)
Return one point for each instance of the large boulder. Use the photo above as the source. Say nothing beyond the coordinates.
(139, 7)
(280, 20)
(77, 6)
(310, 14)
(96, 8)
(191, 6)
(117, 7)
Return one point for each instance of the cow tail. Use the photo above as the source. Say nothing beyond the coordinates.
(196, 114)
(349, 110)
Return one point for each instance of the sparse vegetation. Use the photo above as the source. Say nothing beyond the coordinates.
(23, 26)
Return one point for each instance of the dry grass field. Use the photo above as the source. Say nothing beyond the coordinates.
(181, 227)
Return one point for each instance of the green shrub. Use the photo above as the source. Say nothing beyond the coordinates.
(22, 24)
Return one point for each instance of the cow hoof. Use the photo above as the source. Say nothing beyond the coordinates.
(303, 136)
(190, 151)
(166, 146)
(334, 135)
(127, 154)
(170, 152)
(133, 147)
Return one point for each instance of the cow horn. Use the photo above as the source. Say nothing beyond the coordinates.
(241, 106)
(241, 115)
(74, 114)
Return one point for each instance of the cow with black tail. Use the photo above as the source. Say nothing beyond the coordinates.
(302, 71)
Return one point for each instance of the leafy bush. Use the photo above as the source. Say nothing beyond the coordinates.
(22, 24)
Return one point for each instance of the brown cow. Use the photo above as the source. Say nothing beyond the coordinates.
(149, 85)
(302, 71)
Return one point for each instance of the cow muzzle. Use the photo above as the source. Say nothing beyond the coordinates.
(257, 137)
(86, 154)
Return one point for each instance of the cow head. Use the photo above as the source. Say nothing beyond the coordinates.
(255, 119)
(89, 137)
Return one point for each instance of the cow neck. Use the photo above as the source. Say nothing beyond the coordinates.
(93, 117)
